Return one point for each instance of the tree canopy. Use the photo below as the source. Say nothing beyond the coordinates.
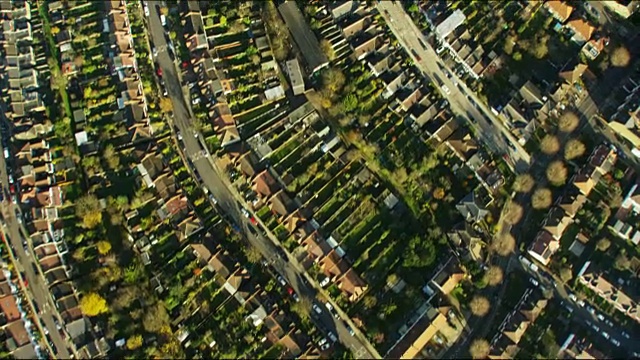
(93, 304)
(420, 252)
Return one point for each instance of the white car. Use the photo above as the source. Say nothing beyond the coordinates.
(317, 309)
(446, 90)
(325, 282)
(573, 297)
(281, 280)
(615, 342)
(605, 335)
(626, 335)
(146, 9)
(581, 303)
(534, 281)
(332, 336)
(600, 317)
(245, 213)
(324, 346)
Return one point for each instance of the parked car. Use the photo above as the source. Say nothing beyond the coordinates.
(281, 253)
(626, 335)
(446, 89)
(324, 282)
(615, 342)
(573, 297)
(600, 317)
(350, 330)
(534, 281)
(332, 311)
(317, 309)
(281, 280)
(332, 336)
(605, 335)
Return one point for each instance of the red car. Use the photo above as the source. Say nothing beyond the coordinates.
(159, 71)
(253, 220)
(185, 64)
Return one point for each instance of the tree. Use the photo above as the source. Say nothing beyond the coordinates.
(622, 262)
(327, 49)
(523, 183)
(156, 318)
(494, 275)
(349, 103)
(419, 253)
(603, 244)
(479, 349)
(93, 304)
(134, 342)
(125, 297)
(512, 213)
(557, 173)
(302, 307)
(574, 149)
(568, 122)
(55, 30)
(550, 144)
(369, 302)
(620, 57)
(479, 306)
(253, 254)
(88, 209)
(517, 56)
(103, 247)
(165, 105)
(566, 274)
(332, 82)
(112, 158)
(541, 198)
(503, 244)
(540, 49)
(164, 10)
(438, 193)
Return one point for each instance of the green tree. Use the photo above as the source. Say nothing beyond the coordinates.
(419, 253)
(350, 103)
(134, 342)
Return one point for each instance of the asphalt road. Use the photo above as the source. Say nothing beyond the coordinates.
(38, 289)
(228, 199)
(462, 100)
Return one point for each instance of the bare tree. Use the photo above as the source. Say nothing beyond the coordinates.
(503, 244)
(494, 275)
(622, 262)
(479, 306)
(620, 57)
(479, 349)
(574, 149)
(523, 183)
(327, 49)
(550, 145)
(557, 173)
(512, 213)
(568, 122)
(541, 198)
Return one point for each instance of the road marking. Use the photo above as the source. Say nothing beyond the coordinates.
(360, 352)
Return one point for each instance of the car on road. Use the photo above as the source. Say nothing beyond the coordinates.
(600, 317)
(626, 335)
(609, 322)
(534, 281)
(323, 344)
(146, 9)
(332, 311)
(158, 70)
(245, 213)
(253, 220)
(573, 297)
(281, 253)
(580, 303)
(591, 309)
(317, 309)
(446, 89)
(281, 280)
(605, 335)
(418, 58)
(332, 336)
(350, 330)
(615, 342)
